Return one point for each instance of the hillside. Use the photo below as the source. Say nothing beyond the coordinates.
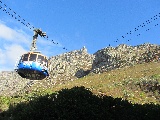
(126, 77)
(131, 92)
(138, 84)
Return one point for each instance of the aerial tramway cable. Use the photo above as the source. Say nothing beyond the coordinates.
(17, 17)
(127, 34)
(139, 27)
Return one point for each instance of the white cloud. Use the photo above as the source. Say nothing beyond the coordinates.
(9, 55)
(13, 44)
(13, 35)
(2, 57)
(13, 51)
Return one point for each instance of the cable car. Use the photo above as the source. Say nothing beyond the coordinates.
(33, 65)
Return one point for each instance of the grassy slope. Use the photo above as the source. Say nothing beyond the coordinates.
(115, 83)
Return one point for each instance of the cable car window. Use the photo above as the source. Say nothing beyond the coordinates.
(46, 61)
(40, 59)
(25, 57)
(32, 57)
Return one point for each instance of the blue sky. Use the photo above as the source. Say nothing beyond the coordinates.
(74, 24)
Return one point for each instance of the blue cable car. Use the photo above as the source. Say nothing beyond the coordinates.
(33, 65)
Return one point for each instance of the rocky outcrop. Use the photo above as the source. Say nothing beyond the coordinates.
(110, 58)
(11, 82)
(78, 63)
(69, 65)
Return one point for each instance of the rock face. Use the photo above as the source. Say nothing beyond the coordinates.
(70, 65)
(78, 63)
(110, 58)
(11, 82)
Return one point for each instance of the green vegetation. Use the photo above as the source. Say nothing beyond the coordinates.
(126, 93)
(80, 103)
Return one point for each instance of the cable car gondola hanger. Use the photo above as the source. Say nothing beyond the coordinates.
(33, 65)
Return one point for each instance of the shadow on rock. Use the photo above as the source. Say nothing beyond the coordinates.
(78, 103)
(81, 73)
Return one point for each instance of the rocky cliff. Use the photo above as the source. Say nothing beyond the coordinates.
(11, 82)
(123, 55)
(70, 65)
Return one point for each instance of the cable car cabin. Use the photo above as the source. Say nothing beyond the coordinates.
(33, 66)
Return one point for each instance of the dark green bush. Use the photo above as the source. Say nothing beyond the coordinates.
(79, 103)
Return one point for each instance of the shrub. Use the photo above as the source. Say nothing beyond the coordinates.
(79, 103)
